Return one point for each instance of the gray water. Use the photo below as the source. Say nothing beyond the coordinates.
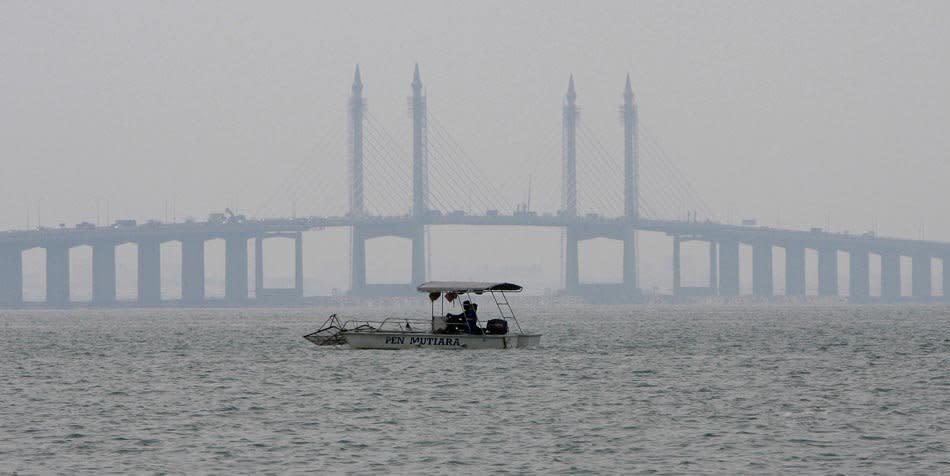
(669, 390)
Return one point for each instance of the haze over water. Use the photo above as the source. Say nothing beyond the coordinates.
(673, 390)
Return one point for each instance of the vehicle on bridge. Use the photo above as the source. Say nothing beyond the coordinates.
(127, 223)
(442, 330)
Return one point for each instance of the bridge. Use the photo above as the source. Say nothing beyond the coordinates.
(430, 207)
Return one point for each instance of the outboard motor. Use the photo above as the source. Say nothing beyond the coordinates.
(497, 327)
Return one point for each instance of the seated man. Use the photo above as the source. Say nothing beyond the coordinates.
(471, 318)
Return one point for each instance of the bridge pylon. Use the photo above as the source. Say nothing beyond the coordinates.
(414, 229)
(420, 187)
(631, 187)
(11, 276)
(356, 107)
(577, 230)
(357, 237)
(569, 188)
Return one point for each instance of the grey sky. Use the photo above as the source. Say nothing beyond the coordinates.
(795, 109)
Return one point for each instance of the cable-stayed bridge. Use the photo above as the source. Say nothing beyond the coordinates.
(598, 193)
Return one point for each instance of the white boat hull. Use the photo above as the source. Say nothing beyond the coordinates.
(413, 340)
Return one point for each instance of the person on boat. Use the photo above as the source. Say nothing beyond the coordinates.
(471, 318)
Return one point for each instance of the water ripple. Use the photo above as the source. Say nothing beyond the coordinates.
(621, 390)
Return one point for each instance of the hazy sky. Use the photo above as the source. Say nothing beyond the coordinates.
(775, 110)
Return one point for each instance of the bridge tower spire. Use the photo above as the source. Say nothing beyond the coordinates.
(356, 145)
(357, 208)
(631, 156)
(631, 200)
(420, 189)
(569, 188)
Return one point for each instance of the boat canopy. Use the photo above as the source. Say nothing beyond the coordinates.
(460, 287)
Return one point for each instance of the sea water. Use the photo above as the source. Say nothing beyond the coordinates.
(611, 390)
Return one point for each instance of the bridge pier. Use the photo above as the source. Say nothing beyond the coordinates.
(624, 291)
(11, 276)
(193, 270)
(946, 277)
(258, 266)
(713, 268)
(103, 273)
(282, 293)
(418, 272)
(890, 276)
(357, 261)
(57, 274)
(794, 270)
(762, 269)
(298, 263)
(859, 274)
(827, 271)
(729, 268)
(630, 284)
(235, 268)
(571, 264)
(149, 273)
(677, 280)
(414, 232)
(921, 274)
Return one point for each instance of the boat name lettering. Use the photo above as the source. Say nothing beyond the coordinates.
(400, 340)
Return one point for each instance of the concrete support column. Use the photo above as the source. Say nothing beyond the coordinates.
(946, 277)
(103, 273)
(258, 265)
(630, 283)
(827, 272)
(357, 261)
(193, 270)
(57, 275)
(729, 268)
(418, 256)
(298, 264)
(859, 274)
(762, 269)
(150, 273)
(677, 280)
(794, 270)
(890, 276)
(571, 267)
(921, 275)
(11, 276)
(713, 268)
(235, 268)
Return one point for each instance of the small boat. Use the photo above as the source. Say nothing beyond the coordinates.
(442, 330)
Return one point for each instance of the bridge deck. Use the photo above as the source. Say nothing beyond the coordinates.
(705, 231)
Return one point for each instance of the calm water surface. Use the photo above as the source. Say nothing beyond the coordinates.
(669, 390)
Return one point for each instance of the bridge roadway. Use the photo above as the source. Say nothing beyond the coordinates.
(700, 230)
(723, 241)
